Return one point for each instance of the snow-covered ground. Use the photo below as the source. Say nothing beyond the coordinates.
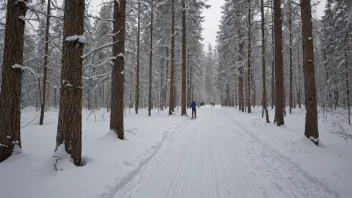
(222, 153)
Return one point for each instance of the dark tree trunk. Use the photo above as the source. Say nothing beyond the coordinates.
(264, 102)
(273, 63)
(347, 81)
(184, 61)
(279, 70)
(117, 76)
(291, 65)
(138, 52)
(299, 97)
(189, 99)
(46, 51)
(249, 66)
(172, 78)
(10, 96)
(150, 104)
(311, 127)
(167, 77)
(69, 130)
(240, 78)
(55, 97)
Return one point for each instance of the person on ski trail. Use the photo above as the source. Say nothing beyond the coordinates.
(193, 106)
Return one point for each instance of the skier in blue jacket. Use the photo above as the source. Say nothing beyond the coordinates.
(193, 106)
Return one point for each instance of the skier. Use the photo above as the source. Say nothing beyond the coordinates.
(193, 106)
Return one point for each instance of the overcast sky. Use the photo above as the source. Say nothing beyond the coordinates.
(213, 16)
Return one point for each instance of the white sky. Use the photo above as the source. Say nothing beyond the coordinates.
(213, 16)
(211, 22)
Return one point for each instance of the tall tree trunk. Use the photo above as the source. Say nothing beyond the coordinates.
(167, 77)
(273, 62)
(265, 108)
(347, 81)
(117, 76)
(46, 51)
(189, 99)
(311, 126)
(138, 52)
(161, 101)
(55, 97)
(291, 65)
(299, 95)
(69, 127)
(279, 70)
(172, 78)
(10, 96)
(184, 63)
(249, 66)
(240, 78)
(150, 104)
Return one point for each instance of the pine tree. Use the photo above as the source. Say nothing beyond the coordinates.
(46, 55)
(264, 99)
(311, 126)
(184, 59)
(279, 74)
(69, 131)
(12, 65)
(117, 76)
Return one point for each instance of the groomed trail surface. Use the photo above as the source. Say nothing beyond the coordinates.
(215, 156)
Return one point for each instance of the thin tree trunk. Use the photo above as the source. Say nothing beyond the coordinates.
(249, 51)
(273, 63)
(184, 63)
(69, 131)
(347, 81)
(279, 70)
(311, 126)
(10, 96)
(138, 52)
(39, 91)
(189, 100)
(265, 109)
(55, 97)
(117, 76)
(161, 95)
(172, 79)
(291, 65)
(299, 95)
(167, 77)
(151, 60)
(46, 51)
(240, 78)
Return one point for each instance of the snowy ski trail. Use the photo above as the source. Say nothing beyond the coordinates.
(215, 156)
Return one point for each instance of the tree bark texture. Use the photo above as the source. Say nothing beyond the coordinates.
(264, 99)
(311, 126)
(172, 75)
(184, 62)
(240, 77)
(138, 61)
(46, 54)
(279, 70)
(69, 130)
(117, 76)
(150, 104)
(249, 66)
(347, 81)
(10, 96)
(273, 62)
(291, 65)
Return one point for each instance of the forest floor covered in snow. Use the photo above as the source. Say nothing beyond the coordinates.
(222, 153)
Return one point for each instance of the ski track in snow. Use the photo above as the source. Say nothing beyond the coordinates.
(216, 156)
